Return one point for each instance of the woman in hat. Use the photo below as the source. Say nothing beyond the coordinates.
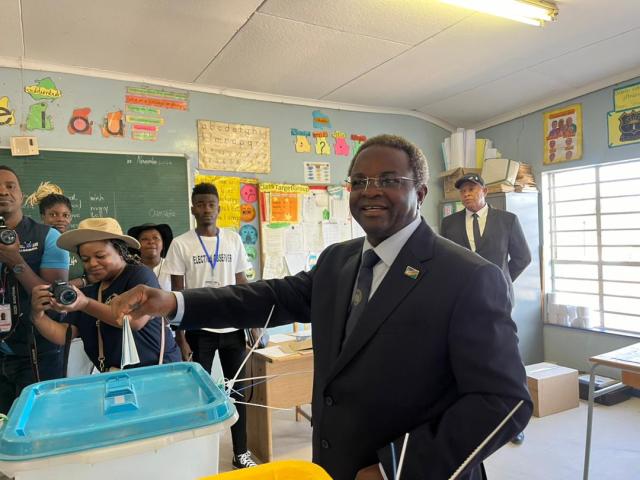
(154, 243)
(105, 255)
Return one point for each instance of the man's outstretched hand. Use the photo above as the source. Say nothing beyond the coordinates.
(142, 303)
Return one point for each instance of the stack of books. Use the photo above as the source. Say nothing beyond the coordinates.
(525, 182)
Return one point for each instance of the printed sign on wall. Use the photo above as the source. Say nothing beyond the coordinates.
(233, 147)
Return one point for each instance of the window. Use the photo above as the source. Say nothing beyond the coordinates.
(591, 230)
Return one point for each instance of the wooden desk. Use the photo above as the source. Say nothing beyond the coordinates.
(286, 391)
(628, 361)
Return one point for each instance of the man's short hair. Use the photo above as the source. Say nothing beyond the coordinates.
(417, 160)
(205, 189)
(9, 169)
(51, 200)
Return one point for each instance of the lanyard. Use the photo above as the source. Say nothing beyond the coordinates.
(213, 262)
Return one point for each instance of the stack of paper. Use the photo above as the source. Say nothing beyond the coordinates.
(500, 171)
(484, 149)
(525, 181)
(459, 150)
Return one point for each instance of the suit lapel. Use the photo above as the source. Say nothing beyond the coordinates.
(393, 289)
(345, 281)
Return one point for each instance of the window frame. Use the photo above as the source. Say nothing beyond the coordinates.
(549, 236)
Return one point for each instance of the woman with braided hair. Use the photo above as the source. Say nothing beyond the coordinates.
(105, 255)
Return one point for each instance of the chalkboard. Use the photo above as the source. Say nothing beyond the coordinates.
(132, 188)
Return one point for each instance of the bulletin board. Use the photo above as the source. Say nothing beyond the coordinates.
(239, 212)
(297, 222)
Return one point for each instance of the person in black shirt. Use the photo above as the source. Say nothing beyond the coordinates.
(103, 250)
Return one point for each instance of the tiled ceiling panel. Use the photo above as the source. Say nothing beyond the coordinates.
(407, 22)
(10, 45)
(297, 59)
(157, 38)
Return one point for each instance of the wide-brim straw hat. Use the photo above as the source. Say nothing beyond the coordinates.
(93, 230)
(165, 233)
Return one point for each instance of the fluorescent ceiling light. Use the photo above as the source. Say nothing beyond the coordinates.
(532, 12)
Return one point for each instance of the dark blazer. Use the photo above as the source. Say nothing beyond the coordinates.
(503, 242)
(436, 356)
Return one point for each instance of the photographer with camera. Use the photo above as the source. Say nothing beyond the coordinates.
(29, 256)
(104, 252)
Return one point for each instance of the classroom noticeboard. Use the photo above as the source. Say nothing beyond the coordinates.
(297, 222)
(133, 189)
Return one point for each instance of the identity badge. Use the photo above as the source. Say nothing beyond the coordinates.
(5, 318)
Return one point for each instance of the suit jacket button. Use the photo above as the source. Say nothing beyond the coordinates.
(328, 401)
(324, 444)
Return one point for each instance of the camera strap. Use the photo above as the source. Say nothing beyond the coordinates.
(100, 342)
(67, 349)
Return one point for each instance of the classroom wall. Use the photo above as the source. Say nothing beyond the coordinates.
(178, 135)
(521, 139)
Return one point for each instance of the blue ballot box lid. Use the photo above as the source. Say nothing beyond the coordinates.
(75, 414)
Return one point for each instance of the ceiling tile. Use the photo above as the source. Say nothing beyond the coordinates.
(481, 49)
(578, 68)
(297, 59)
(496, 98)
(410, 22)
(10, 46)
(157, 38)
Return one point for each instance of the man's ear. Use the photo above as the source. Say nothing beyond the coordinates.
(422, 191)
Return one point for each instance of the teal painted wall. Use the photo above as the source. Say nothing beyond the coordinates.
(178, 135)
(521, 139)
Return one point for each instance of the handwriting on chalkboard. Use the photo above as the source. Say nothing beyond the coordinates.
(140, 160)
(166, 213)
(101, 211)
(96, 197)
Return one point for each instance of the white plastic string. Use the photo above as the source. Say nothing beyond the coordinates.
(266, 377)
(264, 406)
(485, 441)
(404, 449)
(255, 345)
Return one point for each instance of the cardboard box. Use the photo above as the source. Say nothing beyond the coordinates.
(553, 388)
(449, 179)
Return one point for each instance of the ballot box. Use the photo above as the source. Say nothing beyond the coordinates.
(145, 423)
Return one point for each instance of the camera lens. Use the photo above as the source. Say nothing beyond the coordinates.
(67, 296)
(8, 237)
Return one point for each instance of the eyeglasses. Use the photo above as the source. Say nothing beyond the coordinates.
(386, 183)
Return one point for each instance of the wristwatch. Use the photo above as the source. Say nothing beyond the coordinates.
(19, 268)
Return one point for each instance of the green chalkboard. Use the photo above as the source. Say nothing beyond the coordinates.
(132, 188)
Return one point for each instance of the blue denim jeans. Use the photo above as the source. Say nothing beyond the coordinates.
(16, 373)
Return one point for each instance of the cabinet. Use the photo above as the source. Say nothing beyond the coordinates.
(527, 312)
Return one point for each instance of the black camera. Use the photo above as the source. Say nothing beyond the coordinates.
(63, 292)
(7, 236)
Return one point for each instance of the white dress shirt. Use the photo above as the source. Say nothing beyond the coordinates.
(482, 221)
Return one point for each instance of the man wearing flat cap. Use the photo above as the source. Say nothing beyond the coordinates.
(495, 235)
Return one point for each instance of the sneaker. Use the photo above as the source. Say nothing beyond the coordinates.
(243, 460)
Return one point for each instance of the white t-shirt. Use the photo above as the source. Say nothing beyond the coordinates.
(187, 257)
(164, 279)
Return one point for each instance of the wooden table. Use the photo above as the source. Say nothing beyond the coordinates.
(289, 390)
(625, 359)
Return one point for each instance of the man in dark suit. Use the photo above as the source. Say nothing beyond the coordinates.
(412, 334)
(498, 238)
(493, 234)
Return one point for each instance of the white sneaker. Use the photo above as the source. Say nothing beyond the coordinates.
(243, 460)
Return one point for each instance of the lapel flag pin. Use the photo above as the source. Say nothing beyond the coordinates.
(411, 272)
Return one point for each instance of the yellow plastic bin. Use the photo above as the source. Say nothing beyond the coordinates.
(283, 470)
